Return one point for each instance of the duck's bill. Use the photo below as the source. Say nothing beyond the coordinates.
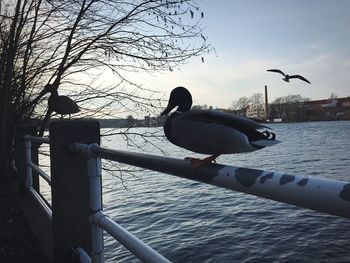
(167, 110)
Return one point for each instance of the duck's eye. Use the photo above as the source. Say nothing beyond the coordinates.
(267, 134)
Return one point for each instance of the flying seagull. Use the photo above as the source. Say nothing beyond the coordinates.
(211, 132)
(288, 77)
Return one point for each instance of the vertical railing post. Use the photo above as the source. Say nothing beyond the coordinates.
(20, 156)
(35, 159)
(94, 173)
(29, 170)
(70, 187)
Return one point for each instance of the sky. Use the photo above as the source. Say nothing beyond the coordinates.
(306, 37)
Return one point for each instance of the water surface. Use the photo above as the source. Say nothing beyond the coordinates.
(188, 221)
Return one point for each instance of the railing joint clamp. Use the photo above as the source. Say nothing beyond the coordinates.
(90, 150)
(96, 216)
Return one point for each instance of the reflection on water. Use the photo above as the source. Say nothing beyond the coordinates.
(188, 221)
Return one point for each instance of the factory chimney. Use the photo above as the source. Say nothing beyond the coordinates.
(266, 104)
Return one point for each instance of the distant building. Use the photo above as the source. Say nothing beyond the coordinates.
(327, 109)
(316, 110)
(154, 121)
(112, 123)
(255, 111)
(241, 112)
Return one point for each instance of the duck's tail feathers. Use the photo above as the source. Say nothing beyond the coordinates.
(265, 143)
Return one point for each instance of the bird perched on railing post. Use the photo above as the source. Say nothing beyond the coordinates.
(60, 104)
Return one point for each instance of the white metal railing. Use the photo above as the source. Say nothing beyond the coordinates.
(325, 195)
(329, 196)
(99, 221)
(30, 166)
(319, 194)
(132, 243)
(82, 255)
(39, 171)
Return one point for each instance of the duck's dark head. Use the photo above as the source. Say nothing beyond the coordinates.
(50, 88)
(180, 97)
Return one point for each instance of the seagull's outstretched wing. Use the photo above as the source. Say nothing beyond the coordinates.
(299, 77)
(277, 70)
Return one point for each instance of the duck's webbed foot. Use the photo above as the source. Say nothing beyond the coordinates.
(196, 162)
(269, 135)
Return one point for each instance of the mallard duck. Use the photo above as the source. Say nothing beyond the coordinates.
(60, 104)
(211, 131)
(288, 77)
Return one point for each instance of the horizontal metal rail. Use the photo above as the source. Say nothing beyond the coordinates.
(132, 243)
(82, 255)
(41, 202)
(325, 195)
(30, 165)
(36, 139)
(39, 171)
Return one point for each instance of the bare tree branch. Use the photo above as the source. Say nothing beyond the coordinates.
(73, 45)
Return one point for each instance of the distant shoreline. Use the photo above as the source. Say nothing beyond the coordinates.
(138, 123)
